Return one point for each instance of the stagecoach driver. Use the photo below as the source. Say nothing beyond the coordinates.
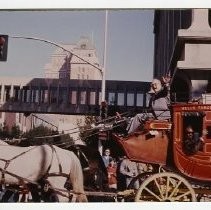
(158, 103)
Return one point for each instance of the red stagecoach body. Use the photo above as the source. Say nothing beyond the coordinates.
(162, 142)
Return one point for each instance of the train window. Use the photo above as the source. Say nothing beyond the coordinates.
(140, 99)
(92, 98)
(120, 99)
(130, 99)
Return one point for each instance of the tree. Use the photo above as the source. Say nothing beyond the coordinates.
(87, 134)
(15, 132)
(41, 131)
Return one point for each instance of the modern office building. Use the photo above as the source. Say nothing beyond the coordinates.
(182, 49)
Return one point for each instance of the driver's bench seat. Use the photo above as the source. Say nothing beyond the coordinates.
(157, 125)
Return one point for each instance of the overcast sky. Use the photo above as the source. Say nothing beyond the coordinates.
(130, 40)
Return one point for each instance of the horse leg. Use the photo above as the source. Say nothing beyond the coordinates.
(76, 179)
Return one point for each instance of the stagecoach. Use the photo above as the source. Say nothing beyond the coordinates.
(178, 174)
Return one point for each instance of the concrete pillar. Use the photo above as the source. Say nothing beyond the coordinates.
(195, 60)
(200, 19)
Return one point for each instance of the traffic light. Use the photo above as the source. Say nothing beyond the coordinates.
(3, 47)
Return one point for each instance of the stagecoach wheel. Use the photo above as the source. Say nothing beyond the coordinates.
(167, 187)
(141, 177)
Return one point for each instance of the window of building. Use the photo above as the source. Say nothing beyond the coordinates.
(28, 95)
(74, 97)
(120, 99)
(92, 98)
(140, 99)
(111, 98)
(130, 99)
(83, 46)
(83, 97)
(45, 96)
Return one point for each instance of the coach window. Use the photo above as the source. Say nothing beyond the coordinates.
(140, 99)
(120, 99)
(130, 99)
(208, 132)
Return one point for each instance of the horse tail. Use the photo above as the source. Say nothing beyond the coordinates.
(76, 178)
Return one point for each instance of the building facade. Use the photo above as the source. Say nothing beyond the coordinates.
(62, 65)
(182, 48)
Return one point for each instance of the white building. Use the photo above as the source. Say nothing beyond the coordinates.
(60, 67)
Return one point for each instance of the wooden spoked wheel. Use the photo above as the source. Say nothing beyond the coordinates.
(165, 187)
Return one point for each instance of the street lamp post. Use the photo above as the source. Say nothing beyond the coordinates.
(102, 71)
(103, 107)
(59, 46)
(104, 57)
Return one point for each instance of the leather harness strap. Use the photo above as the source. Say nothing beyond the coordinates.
(7, 162)
(47, 174)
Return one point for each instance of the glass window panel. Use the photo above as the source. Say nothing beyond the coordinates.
(120, 99)
(45, 96)
(37, 96)
(111, 98)
(83, 97)
(28, 94)
(73, 97)
(92, 98)
(140, 99)
(130, 99)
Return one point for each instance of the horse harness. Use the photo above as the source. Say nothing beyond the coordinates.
(46, 186)
(47, 174)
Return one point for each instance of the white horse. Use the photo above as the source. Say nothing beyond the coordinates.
(30, 164)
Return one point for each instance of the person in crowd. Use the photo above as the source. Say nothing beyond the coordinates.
(192, 142)
(158, 103)
(112, 174)
(121, 180)
(130, 170)
(107, 157)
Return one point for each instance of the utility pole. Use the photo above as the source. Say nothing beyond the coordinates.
(103, 105)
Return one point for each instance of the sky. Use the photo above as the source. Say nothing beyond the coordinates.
(130, 40)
